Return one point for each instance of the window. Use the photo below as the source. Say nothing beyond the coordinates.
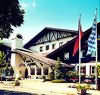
(61, 43)
(41, 49)
(38, 71)
(47, 47)
(83, 70)
(66, 56)
(83, 53)
(93, 70)
(45, 71)
(32, 71)
(19, 36)
(53, 46)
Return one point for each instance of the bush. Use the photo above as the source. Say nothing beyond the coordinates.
(71, 74)
(17, 83)
(51, 76)
(83, 87)
(58, 81)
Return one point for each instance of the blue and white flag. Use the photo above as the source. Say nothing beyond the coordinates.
(92, 39)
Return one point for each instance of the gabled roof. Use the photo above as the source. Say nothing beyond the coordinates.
(38, 57)
(68, 47)
(48, 30)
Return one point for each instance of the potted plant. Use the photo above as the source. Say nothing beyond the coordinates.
(83, 88)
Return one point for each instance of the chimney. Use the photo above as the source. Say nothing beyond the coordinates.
(17, 41)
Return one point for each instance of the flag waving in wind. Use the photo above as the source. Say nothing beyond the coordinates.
(92, 39)
(77, 42)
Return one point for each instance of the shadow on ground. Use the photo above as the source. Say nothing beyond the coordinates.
(6, 92)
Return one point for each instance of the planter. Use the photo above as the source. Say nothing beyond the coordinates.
(83, 91)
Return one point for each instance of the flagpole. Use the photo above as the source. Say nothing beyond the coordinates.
(92, 45)
(96, 75)
(79, 51)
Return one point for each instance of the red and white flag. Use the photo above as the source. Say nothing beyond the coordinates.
(78, 39)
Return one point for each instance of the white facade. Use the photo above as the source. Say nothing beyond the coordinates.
(51, 48)
(17, 42)
(87, 69)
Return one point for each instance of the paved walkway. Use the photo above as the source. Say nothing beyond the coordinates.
(44, 88)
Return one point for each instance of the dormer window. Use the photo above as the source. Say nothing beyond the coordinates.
(53, 46)
(47, 47)
(41, 48)
(66, 55)
(60, 44)
(19, 36)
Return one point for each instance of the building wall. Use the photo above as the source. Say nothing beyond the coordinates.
(19, 69)
(57, 43)
(17, 43)
(89, 68)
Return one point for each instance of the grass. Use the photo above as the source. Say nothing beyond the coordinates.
(58, 81)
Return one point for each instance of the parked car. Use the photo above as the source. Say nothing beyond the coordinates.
(9, 78)
(2, 77)
(6, 78)
(89, 80)
(74, 80)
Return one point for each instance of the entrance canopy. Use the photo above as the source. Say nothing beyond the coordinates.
(38, 57)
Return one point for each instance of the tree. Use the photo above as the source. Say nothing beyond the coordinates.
(2, 63)
(98, 77)
(59, 74)
(98, 70)
(11, 14)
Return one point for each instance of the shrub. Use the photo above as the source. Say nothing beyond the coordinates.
(83, 87)
(71, 74)
(51, 76)
(58, 81)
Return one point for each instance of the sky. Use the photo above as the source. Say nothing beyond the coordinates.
(56, 13)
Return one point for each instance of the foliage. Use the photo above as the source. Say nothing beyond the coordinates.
(2, 61)
(4, 66)
(81, 87)
(59, 70)
(71, 74)
(98, 70)
(11, 14)
(58, 81)
(51, 76)
(2, 57)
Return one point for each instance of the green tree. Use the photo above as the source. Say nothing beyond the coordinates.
(98, 70)
(11, 14)
(2, 63)
(58, 70)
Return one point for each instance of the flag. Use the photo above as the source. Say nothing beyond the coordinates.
(76, 46)
(92, 39)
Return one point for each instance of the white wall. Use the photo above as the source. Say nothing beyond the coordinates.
(17, 43)
(87, 67)
(37, 47)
